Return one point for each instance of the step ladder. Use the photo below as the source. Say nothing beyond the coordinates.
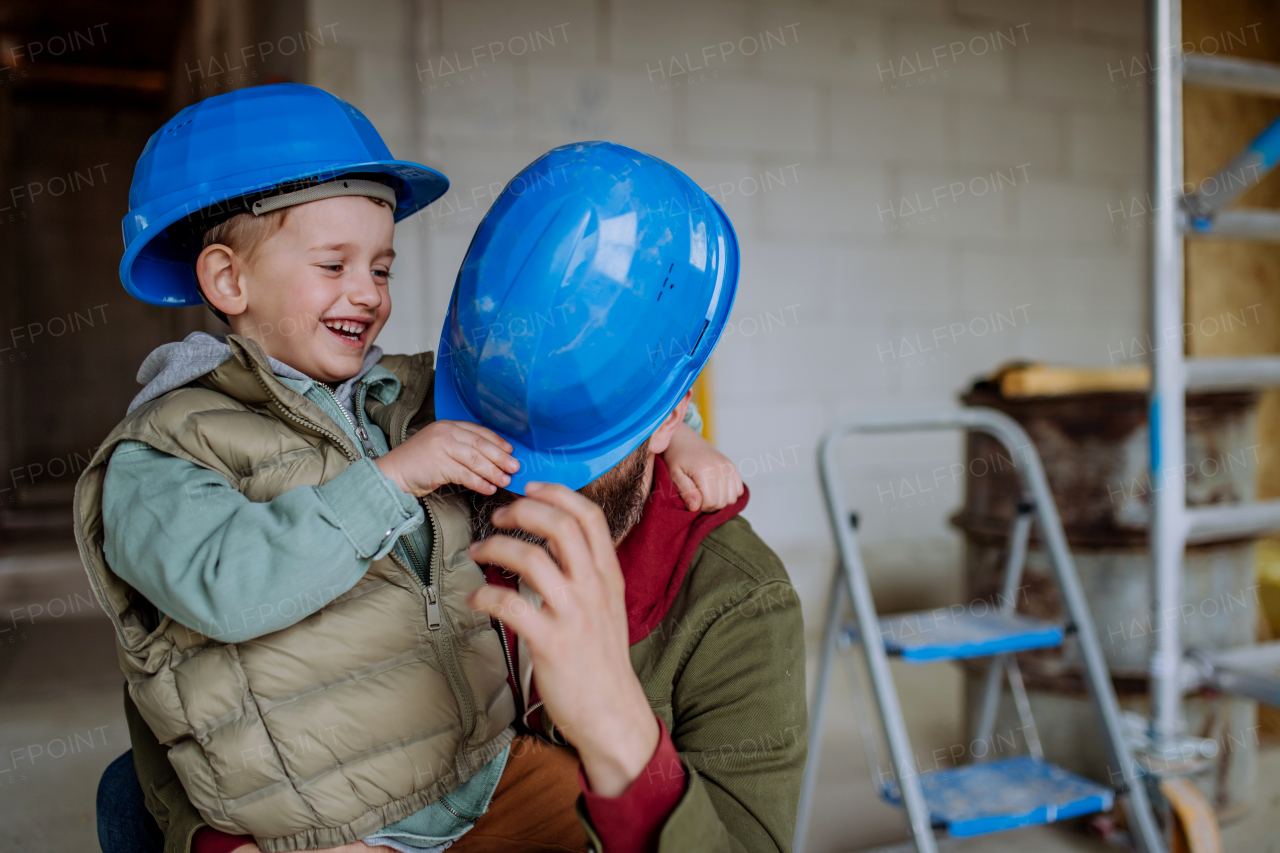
(994, 795)
(1253, 671)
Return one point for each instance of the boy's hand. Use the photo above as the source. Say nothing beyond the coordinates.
(450, 452)
(707, 480)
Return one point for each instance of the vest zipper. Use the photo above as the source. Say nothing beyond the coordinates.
(433, 607)
(430, 593)
(448, 651)
(340, 441)
(428, 588)
(358, 427)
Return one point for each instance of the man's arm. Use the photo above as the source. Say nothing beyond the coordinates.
(740, 725)
(234, 569)
(730, 778)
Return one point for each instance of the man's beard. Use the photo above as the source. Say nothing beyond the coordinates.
(620, 492)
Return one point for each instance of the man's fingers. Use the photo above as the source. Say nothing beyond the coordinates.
(505, 604)
(590, 518)
(525, 559)
(690, 492)
(564, 535)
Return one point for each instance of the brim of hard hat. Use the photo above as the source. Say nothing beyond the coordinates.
(570, 467)
(163, 276)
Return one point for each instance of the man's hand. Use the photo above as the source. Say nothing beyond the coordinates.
(450, 452)
(707, 480)
(578, 639)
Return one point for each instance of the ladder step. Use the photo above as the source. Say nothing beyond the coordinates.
(1220, 522)
(1241, 75)
(1237, 223)
(1222, 374)
(934, 635)
(995, 796)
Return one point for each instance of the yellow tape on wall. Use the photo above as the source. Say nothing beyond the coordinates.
(702, 396)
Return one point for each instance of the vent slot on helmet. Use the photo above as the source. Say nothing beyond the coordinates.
(665, 280)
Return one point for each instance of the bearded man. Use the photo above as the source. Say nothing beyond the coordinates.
(664, 646)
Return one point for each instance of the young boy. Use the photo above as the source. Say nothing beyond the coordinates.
(266, 527)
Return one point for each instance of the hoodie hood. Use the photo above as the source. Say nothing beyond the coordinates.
(176, 364)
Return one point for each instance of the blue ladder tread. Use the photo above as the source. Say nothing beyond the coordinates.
(933, 635)
(994, 796)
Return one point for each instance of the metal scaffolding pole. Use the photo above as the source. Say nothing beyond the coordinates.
(1168, 401)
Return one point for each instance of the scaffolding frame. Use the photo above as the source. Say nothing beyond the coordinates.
(1200, 213)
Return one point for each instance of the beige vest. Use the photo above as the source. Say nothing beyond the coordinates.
(357, 716)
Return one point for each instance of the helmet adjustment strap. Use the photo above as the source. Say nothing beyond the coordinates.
(328, 189)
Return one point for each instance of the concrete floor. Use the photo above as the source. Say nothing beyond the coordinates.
(61, 723)
(61, 718)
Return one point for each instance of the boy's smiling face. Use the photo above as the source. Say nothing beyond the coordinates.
(314, 294)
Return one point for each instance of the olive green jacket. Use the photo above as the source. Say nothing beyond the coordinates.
(724, 671)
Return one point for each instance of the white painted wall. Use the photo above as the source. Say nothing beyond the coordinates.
(852, 157)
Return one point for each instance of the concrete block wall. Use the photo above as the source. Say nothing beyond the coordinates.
(922, 191)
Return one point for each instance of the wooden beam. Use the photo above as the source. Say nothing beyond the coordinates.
(138, 79)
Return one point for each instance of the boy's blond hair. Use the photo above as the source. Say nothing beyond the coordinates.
(245, 233)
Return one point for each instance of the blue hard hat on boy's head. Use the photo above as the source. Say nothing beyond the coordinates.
(250, 142)
(592, 295)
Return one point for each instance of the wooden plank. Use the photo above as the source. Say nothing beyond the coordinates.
(1040, 380)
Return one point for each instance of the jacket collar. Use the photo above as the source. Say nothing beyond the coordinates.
(247, 376)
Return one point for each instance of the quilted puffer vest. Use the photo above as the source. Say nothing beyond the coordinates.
(353, 718)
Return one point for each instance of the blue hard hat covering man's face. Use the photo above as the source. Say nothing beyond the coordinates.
(591, 297)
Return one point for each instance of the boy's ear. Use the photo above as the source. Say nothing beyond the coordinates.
(218, 271)
(661, 438)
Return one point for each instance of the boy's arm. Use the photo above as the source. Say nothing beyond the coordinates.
(693, 417)
(705, 478)
(234, 569)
